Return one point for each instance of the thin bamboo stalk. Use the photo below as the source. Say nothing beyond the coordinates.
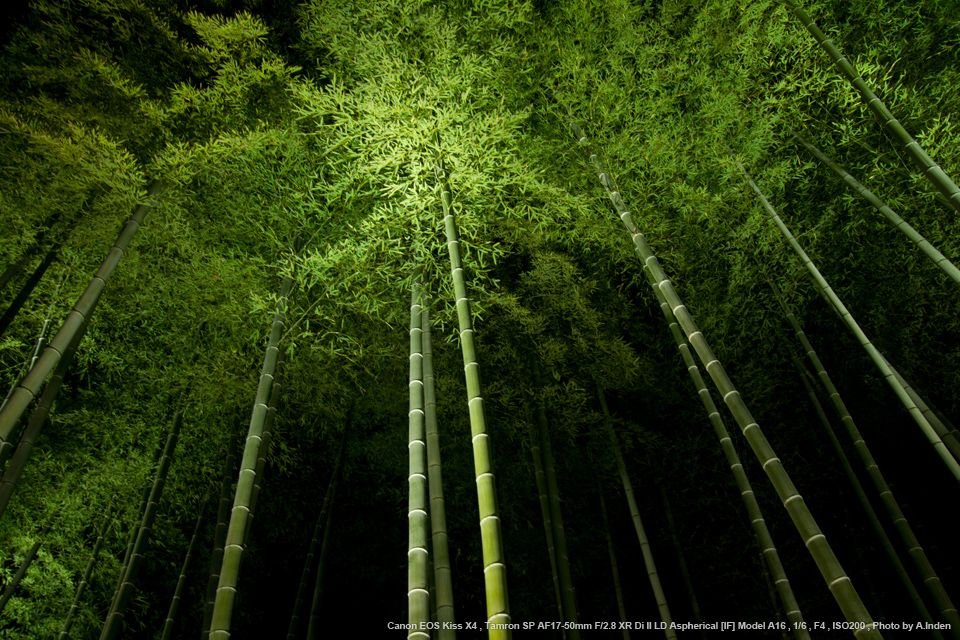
(114, 623)
(440, 553)
(26, 290)
(85, 580)
(931, 252)
(494, 566)
(239, 514)
(264, 452)
(924, 162)
(948, 437)
(865, 503)
(27, 561)
(814, 540)
(684, 572)
(181, 581)
(613, 568)
(851, 323)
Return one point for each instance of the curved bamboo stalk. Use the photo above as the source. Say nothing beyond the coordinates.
(438, 515)
(769, 558)
(29, 387)
(239, 514)
(27, 561)
(567, 592)
(418, 592)
(938, 258)
(219, 534)
(181, 581)
(648, 561)
(533, 435)
(904, 530)
(114, 623)
(315, 540)
(494, 567)
(85, 580)
(851, 323)
(814, 540)
(865, 503)
(924, 162)
(40, 414)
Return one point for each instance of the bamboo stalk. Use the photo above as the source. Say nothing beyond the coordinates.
(181, 581)
(27, 561)
(418, 592)
(219, 535)
(85, 580)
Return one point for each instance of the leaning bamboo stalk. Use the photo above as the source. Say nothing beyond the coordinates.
(239, 514)
(315, 623)
(318, 528)
(219, 535)
(769, 557)
(39, 417)
(30, 386)
(181, 581)
(114, 623)
(418, 592)
(851, 323)
(85, 580)
(614, 569)
(26, 291)
(924, 162)
(684, 572)
(814, 540)
(494, 566)
(885, 541)
(567, 593)
(533, 435)
(264, 452)
(27, 561)
(904, 530)
(931, 252)
(648, 560)
(440, 553)
(948, 436)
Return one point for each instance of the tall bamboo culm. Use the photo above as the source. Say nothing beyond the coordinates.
(240, 513)
(438, 515)
(494, 568)
(318, 529)
(814, 540)
(114, 623)
(30, 386)
(770, 559)
(219, 534)
(904, 530)
(851, 323)
(85, 580)
(182, 579)
(11, 587)
(928, 249)
(648, 560)
(264, 452)
(927, 166)
(418, 592)
(885, 541)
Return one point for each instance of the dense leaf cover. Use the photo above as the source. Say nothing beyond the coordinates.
(268, 120)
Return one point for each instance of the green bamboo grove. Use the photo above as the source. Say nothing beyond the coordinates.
(344, 210)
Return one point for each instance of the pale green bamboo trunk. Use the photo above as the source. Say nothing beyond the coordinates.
(30, 386)
(648, 561)
(418, 588)
(494, 568)
(438, 515)
(114, 622)
(85, 580)
(182, 579)
(848, 319)
(264, 452)
(865, 503)
(925, 163)
(770, 559)
(931, 252)
(814, 540)
(904, 530)
(240, 513)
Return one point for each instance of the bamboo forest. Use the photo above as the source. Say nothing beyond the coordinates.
(448, 319)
